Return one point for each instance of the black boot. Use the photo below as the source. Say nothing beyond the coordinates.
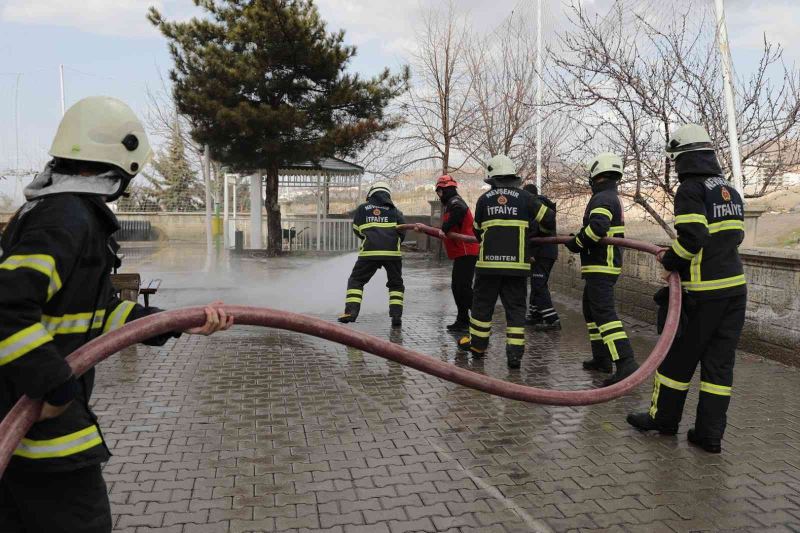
(644, 422)
(709, 445)
(465, 344)
(347, 317)
(514, 356)
(597, 364)
(397, 321)
(461, 325)
(555, 325)
(625, 367)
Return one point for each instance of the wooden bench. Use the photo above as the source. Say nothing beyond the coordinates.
(129, 286)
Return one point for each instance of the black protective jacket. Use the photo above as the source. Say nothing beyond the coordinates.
(544, 251)
(375, 223)
(503, 219)
(603, 217)
(56, 295)
(709, 220)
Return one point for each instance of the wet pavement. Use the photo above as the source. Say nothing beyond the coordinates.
(263, 430)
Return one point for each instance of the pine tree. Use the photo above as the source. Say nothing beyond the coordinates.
(177, 186)
(265, 84)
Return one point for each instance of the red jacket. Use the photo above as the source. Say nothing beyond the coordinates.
(457, 217)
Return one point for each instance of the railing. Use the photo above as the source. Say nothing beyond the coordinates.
(300, 233)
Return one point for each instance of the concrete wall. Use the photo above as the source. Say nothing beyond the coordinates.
(772, 328)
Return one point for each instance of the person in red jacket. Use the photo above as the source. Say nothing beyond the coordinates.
(457, 217)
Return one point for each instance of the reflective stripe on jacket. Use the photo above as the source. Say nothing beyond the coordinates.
(603, 217)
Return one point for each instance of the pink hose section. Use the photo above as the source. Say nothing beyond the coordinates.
(20, 419)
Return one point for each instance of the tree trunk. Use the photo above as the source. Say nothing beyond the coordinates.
(642, 201)
(274, 233)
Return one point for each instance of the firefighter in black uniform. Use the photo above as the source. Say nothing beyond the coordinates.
(375, 223)
(503, 218)
(541, 313)
(709, 220)
(55, 295)
(601, 265)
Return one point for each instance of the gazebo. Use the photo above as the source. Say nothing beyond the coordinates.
(328, 173)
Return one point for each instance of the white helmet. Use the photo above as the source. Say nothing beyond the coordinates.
(500, 165)
(102, 129)
(379, 186)
(605, 162)
(688, 138)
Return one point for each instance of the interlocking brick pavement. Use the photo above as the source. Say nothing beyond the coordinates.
(264, 430)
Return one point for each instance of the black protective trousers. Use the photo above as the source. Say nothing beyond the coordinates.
(512, 292)
(363, 271)
(540, 305)
(461, 284)
(710, 337)
(606, 332)
(55, 502)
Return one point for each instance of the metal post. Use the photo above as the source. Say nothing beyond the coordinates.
(319, 213)
(17, 170)
(539, 96)
(61, 78)
(225, 207)
(255, 211)
(727, 76)
(207, 180)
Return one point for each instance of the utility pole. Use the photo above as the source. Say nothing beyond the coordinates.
(727, 76)
(61, 78)
(539, 95)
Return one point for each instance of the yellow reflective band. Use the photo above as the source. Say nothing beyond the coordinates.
(654, 399)
(612, 348)
(596, 269)
(382, 253)
(602, 211)
(616, 230)
(513, 266)
(44, 264)
(715, 284)
(695, 267)
(73, 323)
(60, 447)
(477, 333)
(726, 225)
(618, 336)
(515, 342)
(595, 337)
(355, 227)
(610, 325)
(671, 383)
(515, 330)
(504, 224)
(692, 218)
(591, 325)
(353, 300)
(541, 213)
(681, 251)
(480, 324)
(355, 291)
(592, 235)
(610, 256)
(719, 390)
(22, 342)
(369, 225)
(397, 294)
(578, 241)
(395, 302)
(118, 316)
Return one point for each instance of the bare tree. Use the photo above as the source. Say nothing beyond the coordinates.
(437, 108)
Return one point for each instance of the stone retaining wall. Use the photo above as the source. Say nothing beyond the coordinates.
(772, 328)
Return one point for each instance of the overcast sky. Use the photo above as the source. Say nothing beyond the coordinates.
(108, 47)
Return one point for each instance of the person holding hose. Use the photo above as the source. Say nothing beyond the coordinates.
(601, 266)
(709, 221)
(503, 218)
(541, 313)
(375, 223)
(457, 217)
(56, 256)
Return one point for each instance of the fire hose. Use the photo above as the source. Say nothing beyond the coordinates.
(25, 413)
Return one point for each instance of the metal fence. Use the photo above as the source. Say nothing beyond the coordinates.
(301, 233)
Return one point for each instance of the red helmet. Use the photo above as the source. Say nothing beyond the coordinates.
(446, 181)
